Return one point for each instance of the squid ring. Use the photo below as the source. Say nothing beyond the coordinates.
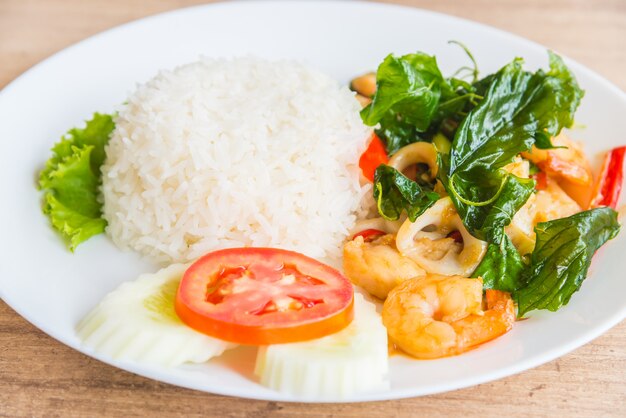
(426, 242)
(418, 152)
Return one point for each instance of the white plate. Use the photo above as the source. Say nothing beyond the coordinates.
(53, 288)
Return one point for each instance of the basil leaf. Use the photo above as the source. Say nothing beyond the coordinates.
(396, 133)
(562, 257)
(519, 109)
(409, 86)
(71, 180)
(502, 267)
(413, 99)
(490, 220)
(496, 198)
(395, 192)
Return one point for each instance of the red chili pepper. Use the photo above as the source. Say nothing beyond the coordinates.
(609, 185)
(369, 234)
(373, 156)
(456, 236)
(541, 179)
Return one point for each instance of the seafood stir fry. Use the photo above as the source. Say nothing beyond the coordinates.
(481, 200)
(473, 209)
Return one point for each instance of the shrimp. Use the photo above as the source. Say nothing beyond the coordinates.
(568, 162)
(437, 316)
(568, 165)
(377, 266)
(545, 205)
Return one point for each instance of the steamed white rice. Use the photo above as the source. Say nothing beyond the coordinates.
(232, 153)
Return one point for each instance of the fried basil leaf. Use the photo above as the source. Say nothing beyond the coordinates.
(409, 86)
(395, 192)
(502, 267)
(396, 133)
(562, 257)
(519, 109)
(412, 99)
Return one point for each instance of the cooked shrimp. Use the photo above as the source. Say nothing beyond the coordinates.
(437, 316)
(365, 85)
(568, 162)
(377, 266)
(568, 165)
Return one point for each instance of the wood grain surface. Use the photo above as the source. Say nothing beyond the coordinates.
(41, 377)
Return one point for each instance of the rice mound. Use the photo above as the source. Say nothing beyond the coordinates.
(231, 153)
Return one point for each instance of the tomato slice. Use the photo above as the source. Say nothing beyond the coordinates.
(263, 296)
(373, 156)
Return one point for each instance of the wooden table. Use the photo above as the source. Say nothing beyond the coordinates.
(41, 377)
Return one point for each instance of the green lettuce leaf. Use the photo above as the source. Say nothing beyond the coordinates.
(395, 192)
(562, 257)
(71, 181)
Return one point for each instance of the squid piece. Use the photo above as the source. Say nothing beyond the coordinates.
(416, 153)
(426, 242)
(545, 205)
(521, 229)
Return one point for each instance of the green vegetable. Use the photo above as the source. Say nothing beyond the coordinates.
(502, 267)
(562, 257)
(409, 86)
(71, 180)
(394, 193)
(396, 133)
(412, 99)
(473, 70)
(520, 109)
